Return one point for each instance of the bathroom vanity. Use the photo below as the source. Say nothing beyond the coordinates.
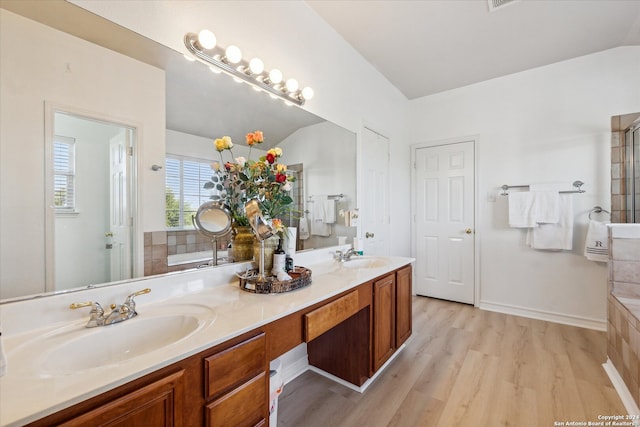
(353, 317)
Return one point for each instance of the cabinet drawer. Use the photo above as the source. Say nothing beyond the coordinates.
(244, 406)
(235, 365)
(319, 321)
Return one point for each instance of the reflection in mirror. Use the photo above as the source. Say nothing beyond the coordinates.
(89, 220)
(94, 65)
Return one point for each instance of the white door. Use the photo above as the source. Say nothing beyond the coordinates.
(119, 234)
(445, 221)
(375, 188)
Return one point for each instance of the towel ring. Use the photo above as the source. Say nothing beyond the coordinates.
(598, 209)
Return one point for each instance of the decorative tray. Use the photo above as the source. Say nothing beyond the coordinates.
(300, 277)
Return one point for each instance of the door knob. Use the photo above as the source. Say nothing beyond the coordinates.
(368, 235)
(468, 231)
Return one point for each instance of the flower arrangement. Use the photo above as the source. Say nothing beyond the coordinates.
(242, 179)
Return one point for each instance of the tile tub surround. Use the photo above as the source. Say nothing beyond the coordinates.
(623, 313)
(236, 311)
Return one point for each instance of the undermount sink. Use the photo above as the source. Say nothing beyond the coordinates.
(365, 262)
(73, 349)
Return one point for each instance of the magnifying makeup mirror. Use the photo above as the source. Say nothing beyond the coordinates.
(213, 220)
(261, 229)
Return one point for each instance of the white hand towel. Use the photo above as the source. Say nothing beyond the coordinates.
(318, 207)
(521, 210)
(546, 206)
(555, 236)
(319, 228)
(303, 228)
(329, 211)
(596, 247)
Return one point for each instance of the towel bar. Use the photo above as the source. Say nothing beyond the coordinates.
(577, 184)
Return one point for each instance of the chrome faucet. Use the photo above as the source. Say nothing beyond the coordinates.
(119, 313)
(346, 256)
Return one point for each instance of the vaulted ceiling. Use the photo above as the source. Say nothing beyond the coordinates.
(429, 46)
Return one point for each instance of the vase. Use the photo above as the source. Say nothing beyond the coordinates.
(270, 246)
(242, 243)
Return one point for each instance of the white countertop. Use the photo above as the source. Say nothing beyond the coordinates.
(27, 392)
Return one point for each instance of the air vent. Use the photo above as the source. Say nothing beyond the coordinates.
(499, 4)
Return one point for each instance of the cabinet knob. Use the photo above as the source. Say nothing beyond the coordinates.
(368, 235)
(468, 231)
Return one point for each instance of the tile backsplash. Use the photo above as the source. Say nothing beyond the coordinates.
(158, 245)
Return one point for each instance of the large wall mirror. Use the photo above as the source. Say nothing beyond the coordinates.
(172, 108)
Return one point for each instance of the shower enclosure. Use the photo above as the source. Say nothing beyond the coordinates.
(632, 172)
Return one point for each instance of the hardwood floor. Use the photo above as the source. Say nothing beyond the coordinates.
(468, 367)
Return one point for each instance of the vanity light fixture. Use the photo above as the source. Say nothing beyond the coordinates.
(203, 46)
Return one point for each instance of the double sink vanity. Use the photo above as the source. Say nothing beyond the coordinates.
(198, 351)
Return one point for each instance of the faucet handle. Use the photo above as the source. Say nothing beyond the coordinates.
(95, 307)
(142, 292)
(130, 303)
(96, 315)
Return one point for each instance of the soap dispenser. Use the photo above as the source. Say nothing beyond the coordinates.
(279, 259)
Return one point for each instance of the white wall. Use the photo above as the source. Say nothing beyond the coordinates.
(69, 72)
(550, 124)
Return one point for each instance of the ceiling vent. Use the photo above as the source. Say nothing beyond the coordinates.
(499, 4)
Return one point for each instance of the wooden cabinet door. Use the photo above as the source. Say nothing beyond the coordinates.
(404, 311)
(384, 320)
(157, 404)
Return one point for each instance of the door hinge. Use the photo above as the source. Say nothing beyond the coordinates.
(130, 221)
(131, 151)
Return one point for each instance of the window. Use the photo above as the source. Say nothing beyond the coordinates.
(185, 192)
(64, 174)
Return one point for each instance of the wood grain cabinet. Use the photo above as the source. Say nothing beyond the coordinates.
(404, 312)
(392, 314)
(384, 320)
(157, 404)
(236, 385)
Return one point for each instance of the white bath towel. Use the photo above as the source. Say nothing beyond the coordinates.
(303, 228)
(318, 225)
(596, 247)
(555, 236)
(329, 211)
(529, 208)
(521, 210)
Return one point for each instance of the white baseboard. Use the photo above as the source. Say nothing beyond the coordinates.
(549, 316)
(624, 393)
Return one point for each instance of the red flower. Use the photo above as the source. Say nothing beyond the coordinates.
(281, 178)
(228, 166)
(270, 158)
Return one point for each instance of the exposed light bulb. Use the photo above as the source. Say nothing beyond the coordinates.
(275, 76)
(233, 54)
(292, 85)
(207, 39)
(307, 93)
(256, 66)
